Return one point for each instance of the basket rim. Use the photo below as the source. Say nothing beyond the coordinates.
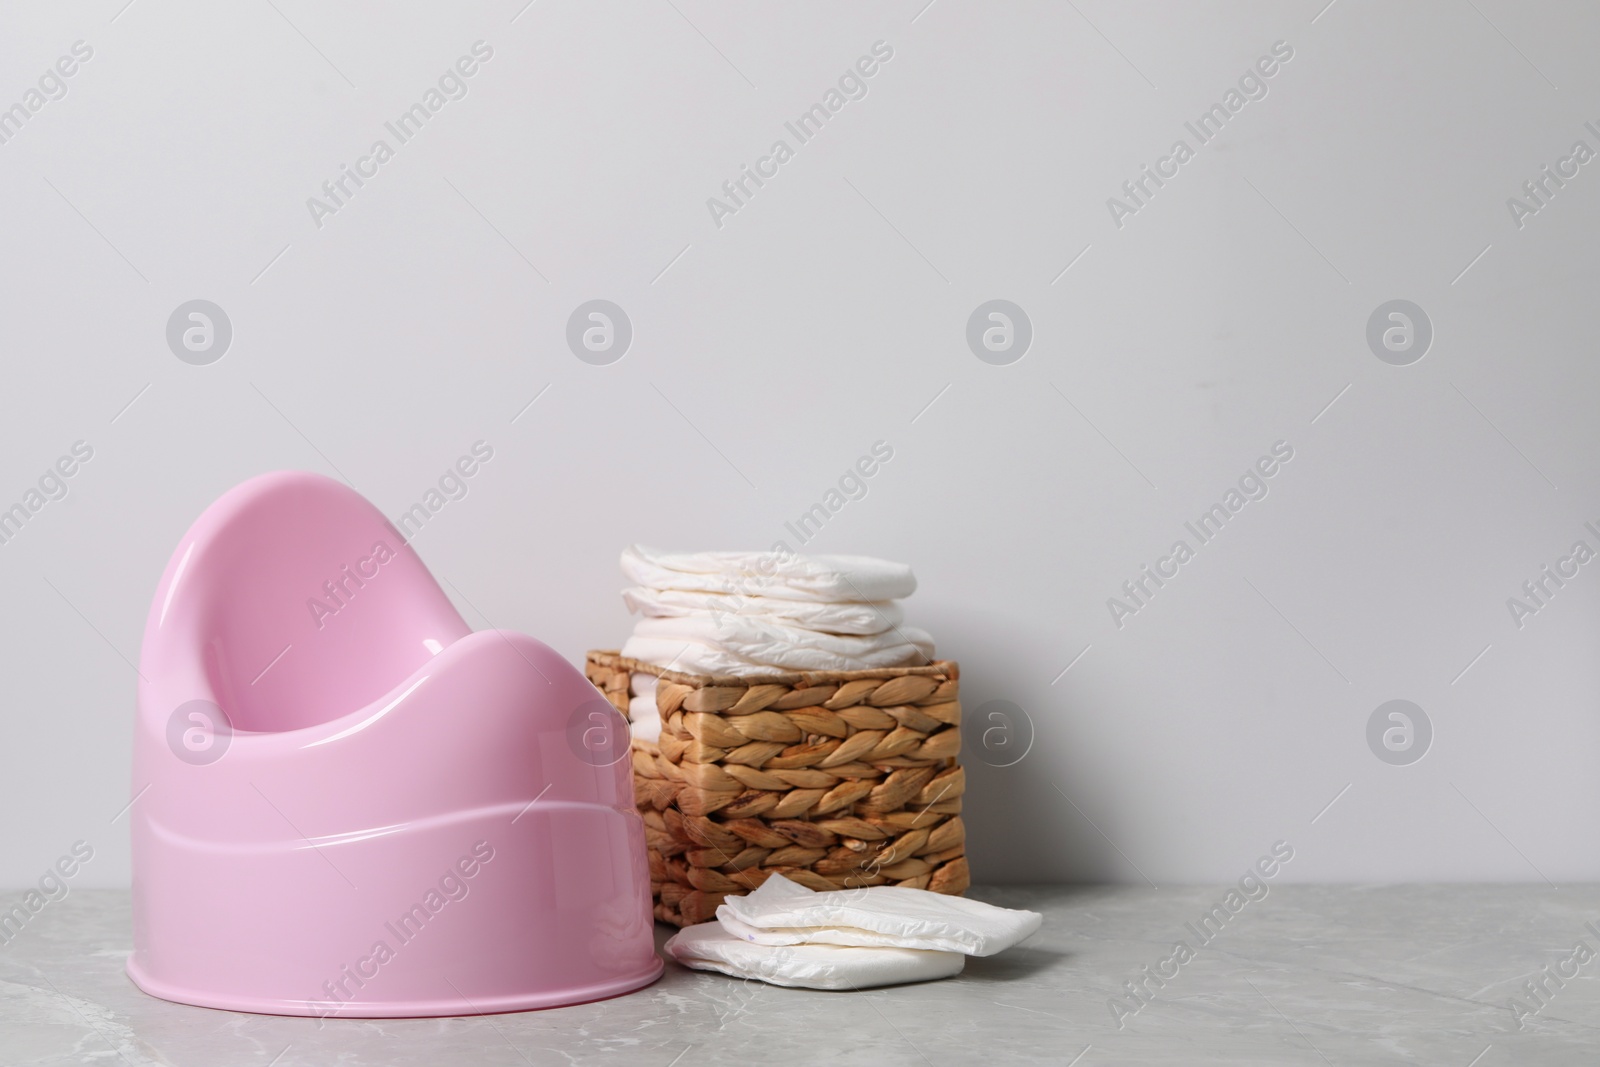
(941, 668)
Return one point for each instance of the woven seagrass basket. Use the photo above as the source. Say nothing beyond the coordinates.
(835, 779)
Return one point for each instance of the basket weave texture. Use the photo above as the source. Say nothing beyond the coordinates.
(835, 779)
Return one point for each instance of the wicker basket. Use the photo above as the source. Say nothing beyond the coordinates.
(835, 779)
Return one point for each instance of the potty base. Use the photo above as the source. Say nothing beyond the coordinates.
(419, 1009)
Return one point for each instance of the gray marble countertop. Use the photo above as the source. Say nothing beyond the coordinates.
(1308, 975)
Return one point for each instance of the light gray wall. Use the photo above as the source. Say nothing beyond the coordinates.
(829, 312)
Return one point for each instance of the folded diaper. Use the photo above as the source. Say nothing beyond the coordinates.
(709, 947)
(788, 935)
(777, 643)
(698, 657)
(817, 578)
(644, 720)
(844, 617)
(781, 912)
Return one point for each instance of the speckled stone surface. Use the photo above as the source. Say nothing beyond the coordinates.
(1308, 975)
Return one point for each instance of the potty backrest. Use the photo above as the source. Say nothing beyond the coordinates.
(294, 601)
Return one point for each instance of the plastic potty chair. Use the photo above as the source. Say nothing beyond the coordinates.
(348, 803)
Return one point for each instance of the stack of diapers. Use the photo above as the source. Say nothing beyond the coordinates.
(788, 935)
(751, 613)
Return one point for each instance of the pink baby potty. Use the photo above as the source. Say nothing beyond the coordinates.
(350, 804)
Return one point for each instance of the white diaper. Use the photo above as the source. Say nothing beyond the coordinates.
(644, 720)
(708, 947)
(775, 642)
(697, 657)
(845, 617)
(820, 578)
(782, 912)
